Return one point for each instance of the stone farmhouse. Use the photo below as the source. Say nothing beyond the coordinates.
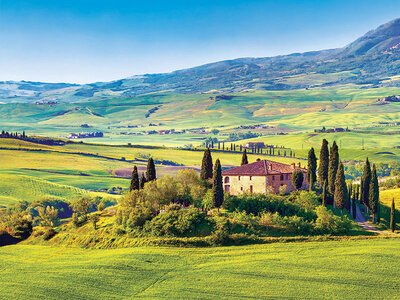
(258, 176)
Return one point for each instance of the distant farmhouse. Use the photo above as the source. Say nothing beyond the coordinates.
(258, 145)
(85, 135)
(258, 176)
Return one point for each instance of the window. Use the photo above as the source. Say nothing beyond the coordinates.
(273, 177)
(251, 189)
(226, 179)
(281, 177)
(239, 178)
(241, 188)
(251, 177)
(227, 188)
(287, 177)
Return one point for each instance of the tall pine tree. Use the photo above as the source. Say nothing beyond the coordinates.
(134, 180)
(354, 208)
(206, 165)
(393, 216)
(151, 170)
(323, 163)
(312, 168)
(340, 195)
(333, 166)
(217, 187)
(366, 182)
(244, 158)
(374, 194)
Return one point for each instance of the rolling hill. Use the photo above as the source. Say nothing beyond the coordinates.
(370, 61)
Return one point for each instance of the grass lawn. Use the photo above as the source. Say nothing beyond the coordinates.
(357, 269)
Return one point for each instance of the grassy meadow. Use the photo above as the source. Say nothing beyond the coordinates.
(342, 270)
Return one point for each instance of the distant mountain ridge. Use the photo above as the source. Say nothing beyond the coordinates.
(370, 61)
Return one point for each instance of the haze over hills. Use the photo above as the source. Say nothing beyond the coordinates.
(373, 60)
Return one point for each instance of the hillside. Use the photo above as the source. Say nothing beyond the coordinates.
(370, 61)
(344, 270)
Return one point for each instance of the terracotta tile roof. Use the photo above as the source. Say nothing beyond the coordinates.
(262, 168)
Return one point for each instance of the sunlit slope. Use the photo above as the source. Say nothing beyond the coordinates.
(300, 270)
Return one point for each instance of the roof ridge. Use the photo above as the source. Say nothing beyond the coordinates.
(265, 166)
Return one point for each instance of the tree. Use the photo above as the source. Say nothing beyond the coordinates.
(82, 206)
(244, 158)
(151, 170)
(374, 194)
(206, 165)
(366, 180)
(217, 188)
(135, 179)
(94, 219)
(340, 195)
(393, 216)
(297, 179)
(333, 166)
(142, 181)
(48, 216)
(354, 208)
(324, 194)
(312, 168)
(323, 162)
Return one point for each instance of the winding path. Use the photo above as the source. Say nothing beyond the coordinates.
(364, 224)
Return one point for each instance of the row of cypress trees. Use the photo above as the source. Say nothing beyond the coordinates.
(137, 183)
(331, 178)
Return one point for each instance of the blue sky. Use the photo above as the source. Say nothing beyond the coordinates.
(87, 41)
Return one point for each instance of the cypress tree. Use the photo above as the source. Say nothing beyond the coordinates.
(206, 165)
(323, 162)
(135, 179)
(354, 208)
(340, 195)
(374, 194)
(366, 179)
(297, 179)
(361, 191)
(142, 181)
(348, 201)
(151, 170)
(333, 166)
(393, 217)
(324, 194)
(312, 168)
(217, 188)
(244, 158)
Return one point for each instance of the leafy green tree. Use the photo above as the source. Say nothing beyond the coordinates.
(82, 206)
(94, 219)
(323, 162)
(151, 170)
(48, 216)
(206, 165)
(374, 194)
(340, 195)
(393, 217)
(333, 166)
(217, 187)
(135, 179)
(366, 182)
(312, 168)
(324, 194)
(244, 158)
(297, 179)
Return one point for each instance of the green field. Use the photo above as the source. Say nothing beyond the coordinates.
(343, 270)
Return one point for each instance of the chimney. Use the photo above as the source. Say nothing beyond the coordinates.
(299, 165)
(293, 165)
(258, 159)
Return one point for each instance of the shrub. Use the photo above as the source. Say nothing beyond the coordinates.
(179, 222)
(49, 233)
(327, 222)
